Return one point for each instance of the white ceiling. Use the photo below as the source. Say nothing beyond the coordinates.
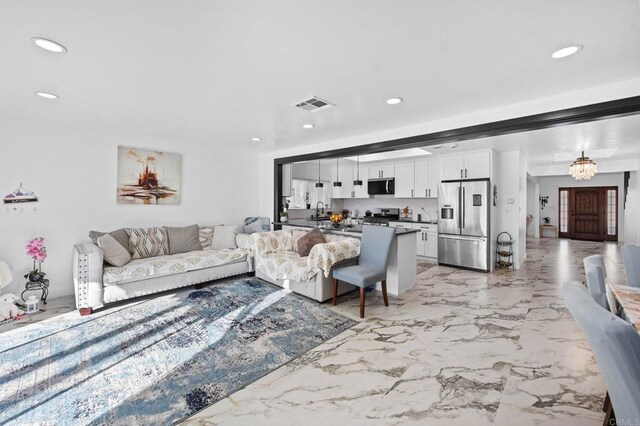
(226, 71)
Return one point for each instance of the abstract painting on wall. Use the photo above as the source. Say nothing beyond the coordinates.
(148, 177)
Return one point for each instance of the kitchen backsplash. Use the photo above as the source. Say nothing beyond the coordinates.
(364, 204)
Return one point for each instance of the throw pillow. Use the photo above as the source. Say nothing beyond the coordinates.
(183, 240)
(295, 236)
(206, 236)
(147, 242)
(224, 237)
(120, 235)
(114, 253)
(306, 242)
(256, 224)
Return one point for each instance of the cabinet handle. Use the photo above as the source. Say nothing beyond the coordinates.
(412, 193)
(465, 172)
(426, 192)
(461, 174)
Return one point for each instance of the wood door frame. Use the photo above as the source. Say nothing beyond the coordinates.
(603, 200)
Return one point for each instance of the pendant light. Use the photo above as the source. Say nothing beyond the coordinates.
(583, 168)
(319, 184)
(337, 182)
(357, 182)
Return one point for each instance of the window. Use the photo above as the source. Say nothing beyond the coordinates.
(612, 214)
(564, 210)
(301, 187)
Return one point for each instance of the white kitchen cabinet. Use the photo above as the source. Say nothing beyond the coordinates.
(345, 175)
(399, 225)
(427, 179)
(434, 178)
(477, 165)
(361, 191)
(381, 171)
(426, 240)
(470, 165)
(404, 180)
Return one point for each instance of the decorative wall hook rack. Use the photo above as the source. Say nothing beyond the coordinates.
(544, 200)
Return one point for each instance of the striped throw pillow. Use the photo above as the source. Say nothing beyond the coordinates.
(147, 242)
(206, 236)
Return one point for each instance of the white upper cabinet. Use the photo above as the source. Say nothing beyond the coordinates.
(361, 191)
(477, 165)
(434, 178)
(417, 180)
(381, 171)
(422, 179)
(470, 165)
(344, 174)
(404, 180)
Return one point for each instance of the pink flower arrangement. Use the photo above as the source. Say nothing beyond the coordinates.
(37, 251)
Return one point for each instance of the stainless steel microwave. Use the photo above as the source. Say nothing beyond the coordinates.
(382, 186)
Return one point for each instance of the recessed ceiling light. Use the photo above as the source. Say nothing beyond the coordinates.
(394, 101)
(455, 145)
(47, 95)
(256, 139)
(308, 126)
(49, 45)
(437, 147)
(566, 51)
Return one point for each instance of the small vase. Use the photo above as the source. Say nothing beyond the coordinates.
(308, 206)
(34, 277)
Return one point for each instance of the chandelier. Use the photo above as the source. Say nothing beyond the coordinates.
(583, 168)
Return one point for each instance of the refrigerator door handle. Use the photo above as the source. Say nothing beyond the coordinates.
(462, 238)
(459, 208)
(464, 207)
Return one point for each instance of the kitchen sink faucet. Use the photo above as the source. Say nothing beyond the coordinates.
(318, 209)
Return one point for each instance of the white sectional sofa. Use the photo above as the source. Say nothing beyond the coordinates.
(97, 283)
(277, 261)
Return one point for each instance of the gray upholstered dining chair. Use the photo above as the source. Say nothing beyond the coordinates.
(631, 257)
(372, 263)
(616, 346)
(595, 272)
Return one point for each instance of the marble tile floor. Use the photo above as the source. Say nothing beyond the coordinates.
(459, 347)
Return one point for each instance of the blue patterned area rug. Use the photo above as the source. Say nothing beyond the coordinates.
(157, 361)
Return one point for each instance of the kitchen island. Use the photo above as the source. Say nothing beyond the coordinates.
(401, 270)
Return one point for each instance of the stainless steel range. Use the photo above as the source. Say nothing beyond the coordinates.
(383, 217)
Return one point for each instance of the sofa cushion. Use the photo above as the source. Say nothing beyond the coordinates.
(224, 237)
(183, 240)
(205, 234)
(120, 235)
(295, 236)
(140, 269)
(307, 241)
(147, 242)
(113, 251)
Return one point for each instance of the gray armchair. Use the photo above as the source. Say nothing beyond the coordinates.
(372, 263)
(616, 346)
(596, 273)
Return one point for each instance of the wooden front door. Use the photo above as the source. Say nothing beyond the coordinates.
(589, 213)
(585, 217)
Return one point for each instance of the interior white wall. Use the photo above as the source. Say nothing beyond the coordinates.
(533, 206)
(632, 211)
(73, 172)
(549, 185)
(510, 177)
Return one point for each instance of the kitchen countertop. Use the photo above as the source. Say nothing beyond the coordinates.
(423, 222)
(328, 226)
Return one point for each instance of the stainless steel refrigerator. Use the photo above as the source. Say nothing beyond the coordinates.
(463, 226)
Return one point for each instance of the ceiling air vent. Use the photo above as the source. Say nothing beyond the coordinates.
(314, 104)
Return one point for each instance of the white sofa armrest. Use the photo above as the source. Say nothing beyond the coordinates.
(322, 257)
(88, 260)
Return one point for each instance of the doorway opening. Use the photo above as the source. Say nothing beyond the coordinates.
(588, 213)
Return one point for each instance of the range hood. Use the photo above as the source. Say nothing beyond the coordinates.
(381, 186)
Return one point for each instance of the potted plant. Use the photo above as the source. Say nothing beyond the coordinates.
(38, 253)
(306, 200)
(547, 220)
(284, 216)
